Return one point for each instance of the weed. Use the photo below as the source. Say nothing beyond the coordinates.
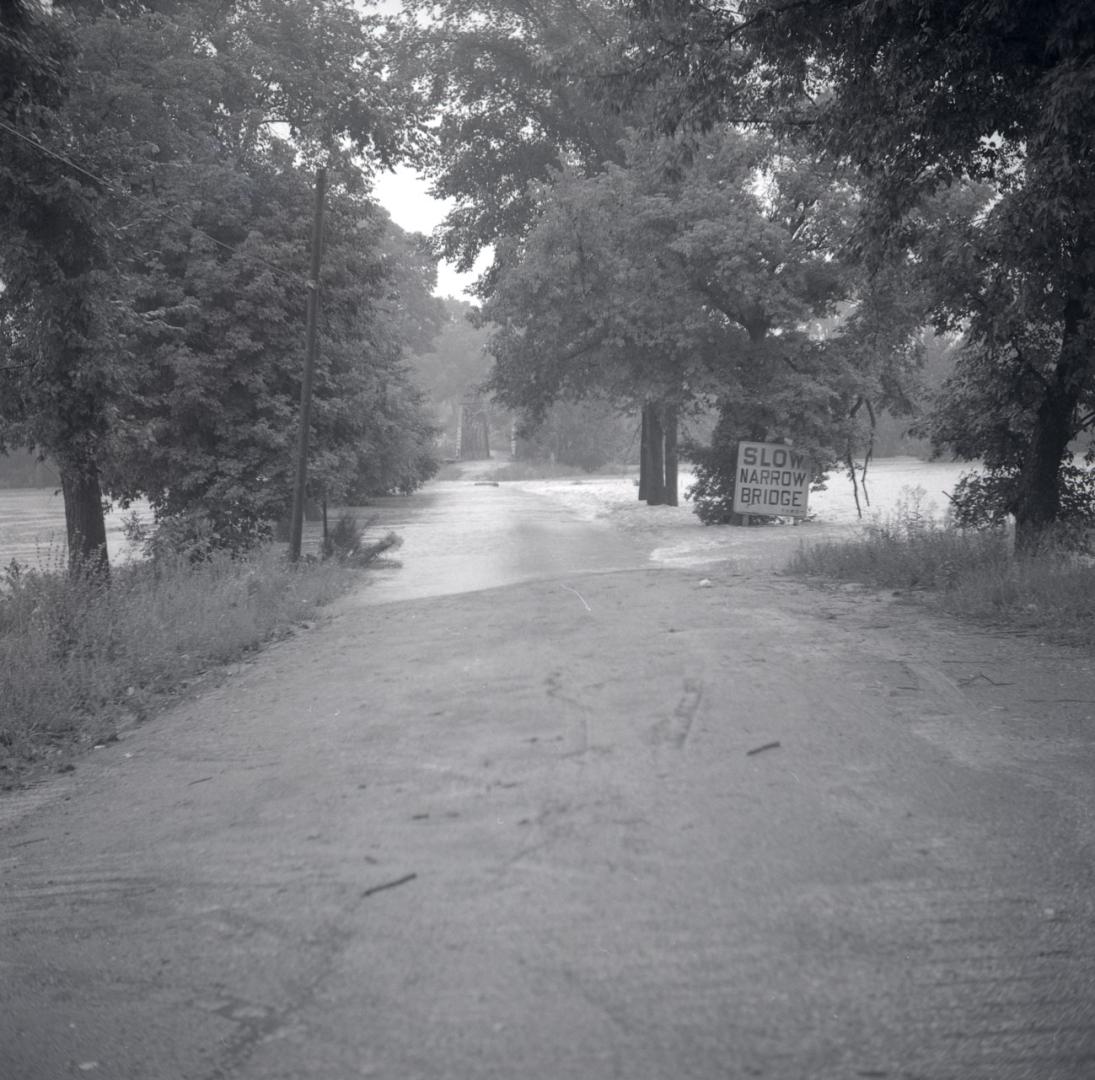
(971, 573)
(77, 656)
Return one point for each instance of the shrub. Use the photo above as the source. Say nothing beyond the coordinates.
(195, 534)
(712, 492)
(345, 541)
(986, 499)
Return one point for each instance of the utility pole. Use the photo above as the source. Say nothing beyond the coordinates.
(296, 524)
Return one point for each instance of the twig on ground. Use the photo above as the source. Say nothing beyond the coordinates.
(761, 749)
(983, 677)
(388, 885)
(579, 595)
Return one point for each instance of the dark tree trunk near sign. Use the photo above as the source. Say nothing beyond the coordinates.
(654, 458)
(658, 455)
(671, 463)
(1038, 493)
(85, 523)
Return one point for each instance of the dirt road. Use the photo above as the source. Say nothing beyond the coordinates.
(604, 820)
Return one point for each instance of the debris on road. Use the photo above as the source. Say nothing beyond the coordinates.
(761, 749)
(388, 885)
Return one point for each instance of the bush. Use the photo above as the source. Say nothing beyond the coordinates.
(714, 467)
(195, 535)
(345, 541)
(712, 492)
(985, 500)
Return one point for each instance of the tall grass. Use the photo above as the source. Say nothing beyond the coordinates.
(77, 654)
(969, 573)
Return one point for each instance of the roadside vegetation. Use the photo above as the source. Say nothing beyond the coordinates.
(83, 656)
(969, 572)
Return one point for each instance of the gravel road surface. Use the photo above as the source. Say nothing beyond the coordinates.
(537, 806)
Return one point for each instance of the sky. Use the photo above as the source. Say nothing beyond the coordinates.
(403, 194)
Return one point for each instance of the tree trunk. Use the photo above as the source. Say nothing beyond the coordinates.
(85, 523)
(671, 465)
(1038, 492)
(644, 456)
(655, 444)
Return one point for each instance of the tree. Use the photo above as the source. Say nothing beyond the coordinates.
(455, 366)
(584, 434)
(57, 251)
(516, 93)
(164, 253)
(210, 423)
(530, 92)
(521, 96)
(662, 288)
(922, 96)
(34, 52)
(584, 310)
(393, 448)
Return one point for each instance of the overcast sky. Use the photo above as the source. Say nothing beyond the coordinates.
(403, 194)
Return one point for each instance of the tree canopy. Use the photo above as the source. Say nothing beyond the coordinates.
(705, 286)
(157, 212)
(925, 98)
(651, 272)
(515, 92)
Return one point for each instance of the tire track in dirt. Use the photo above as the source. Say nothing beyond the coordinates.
(673, 730)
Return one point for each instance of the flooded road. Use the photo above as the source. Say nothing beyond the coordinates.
(464, 536)
(672, 824)
(458, 536)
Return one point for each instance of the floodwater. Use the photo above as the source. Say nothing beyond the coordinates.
(458, 536)
(32, 528)
(462, 536)
(469, 534)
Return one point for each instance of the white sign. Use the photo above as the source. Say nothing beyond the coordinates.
(771, 480)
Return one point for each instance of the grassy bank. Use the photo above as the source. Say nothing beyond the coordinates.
(969, 574)
(79, 659)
